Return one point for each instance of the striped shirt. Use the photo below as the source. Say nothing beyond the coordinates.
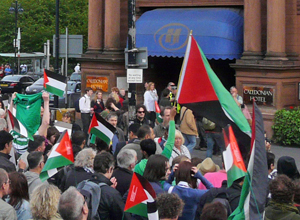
(20, 143)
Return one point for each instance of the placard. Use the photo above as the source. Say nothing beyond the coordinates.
(97, 83)
(134, 76)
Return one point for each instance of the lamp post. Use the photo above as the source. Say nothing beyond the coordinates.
(15, 8)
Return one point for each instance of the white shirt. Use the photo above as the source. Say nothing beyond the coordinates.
(183, 151)
(85, 104)
(149, 100)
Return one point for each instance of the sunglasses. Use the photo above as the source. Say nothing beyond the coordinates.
(141, 112)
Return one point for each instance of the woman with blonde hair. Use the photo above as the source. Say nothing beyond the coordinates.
(98, 103)
(150, 97)
(179, 149)
(44, 202)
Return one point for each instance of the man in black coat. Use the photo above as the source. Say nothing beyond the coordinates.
(111, 204)
(123, 173)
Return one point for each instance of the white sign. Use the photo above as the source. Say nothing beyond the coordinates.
(134, 75)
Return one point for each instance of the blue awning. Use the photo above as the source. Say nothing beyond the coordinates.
(218, 31)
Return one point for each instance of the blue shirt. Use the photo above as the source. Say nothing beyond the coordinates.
(190, 196)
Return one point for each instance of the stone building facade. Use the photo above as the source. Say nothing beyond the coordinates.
(268, 69)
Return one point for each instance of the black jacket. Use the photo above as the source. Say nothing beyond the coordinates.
(73, 177)
(111, 205)
(234, 193)
(6, 164)
(144, 122)
(123, 177)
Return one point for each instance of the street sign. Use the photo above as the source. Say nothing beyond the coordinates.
(75, 49)
(134, 76)
(141, 58)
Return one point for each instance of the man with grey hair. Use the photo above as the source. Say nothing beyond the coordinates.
(36, 164)
(6, 211)
(123, 173)
(72, 205)
(82, 170)
(112, 119)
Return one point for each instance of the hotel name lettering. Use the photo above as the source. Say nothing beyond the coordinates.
(261, 94)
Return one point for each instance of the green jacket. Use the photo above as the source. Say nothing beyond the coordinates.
(167, 152)
(278, 211)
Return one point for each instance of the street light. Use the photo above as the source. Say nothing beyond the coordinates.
(15, 8)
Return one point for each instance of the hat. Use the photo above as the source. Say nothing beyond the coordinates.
(207, 166)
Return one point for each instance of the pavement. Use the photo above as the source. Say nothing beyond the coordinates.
(278, 150)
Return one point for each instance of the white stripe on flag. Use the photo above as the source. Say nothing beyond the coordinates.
(52, 172)
(105, 130)
(56, 84)
(54, 153)
(247, 205)
(23, 130)
(228, 159)
(184, 65)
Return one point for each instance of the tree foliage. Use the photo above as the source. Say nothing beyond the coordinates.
(38, 23)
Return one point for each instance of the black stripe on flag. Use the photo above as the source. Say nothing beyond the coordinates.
(105, 123)
(151, 207)
(56, 76)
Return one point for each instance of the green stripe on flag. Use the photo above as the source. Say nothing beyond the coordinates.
(139, 209)
(228, 104)
(54, 90)
(159, 118)
(233, 174)
(55, 162)
(99, 134)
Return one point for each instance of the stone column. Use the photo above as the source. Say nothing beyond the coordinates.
(252, 30)
(276, 30)
(95, 32)
(112, 25)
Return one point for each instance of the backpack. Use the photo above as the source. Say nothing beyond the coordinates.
(92, 193)
(76, 104)
(208, 125)
(225, 199)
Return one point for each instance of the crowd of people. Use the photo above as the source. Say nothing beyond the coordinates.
(186, 187)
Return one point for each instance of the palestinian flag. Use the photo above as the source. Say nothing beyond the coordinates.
(157, 111)
(102, 129)
(200, 90)
(54, 83)
(141, 198)
(61, 155)
(17, 126)
(233, 161)
(254, 192)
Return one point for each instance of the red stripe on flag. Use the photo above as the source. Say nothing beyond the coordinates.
(136, 193)
(196, 80)
(65, 148)
(46, 80)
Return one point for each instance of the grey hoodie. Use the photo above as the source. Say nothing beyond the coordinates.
(33, 180)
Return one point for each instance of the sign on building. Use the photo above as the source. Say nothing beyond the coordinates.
(134, 76)
(97, 83)
(263, 95)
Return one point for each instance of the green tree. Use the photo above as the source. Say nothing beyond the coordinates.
(38, 23)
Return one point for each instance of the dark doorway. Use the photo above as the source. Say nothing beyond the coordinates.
(162, 70)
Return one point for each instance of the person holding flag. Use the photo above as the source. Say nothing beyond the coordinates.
(85, 109)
